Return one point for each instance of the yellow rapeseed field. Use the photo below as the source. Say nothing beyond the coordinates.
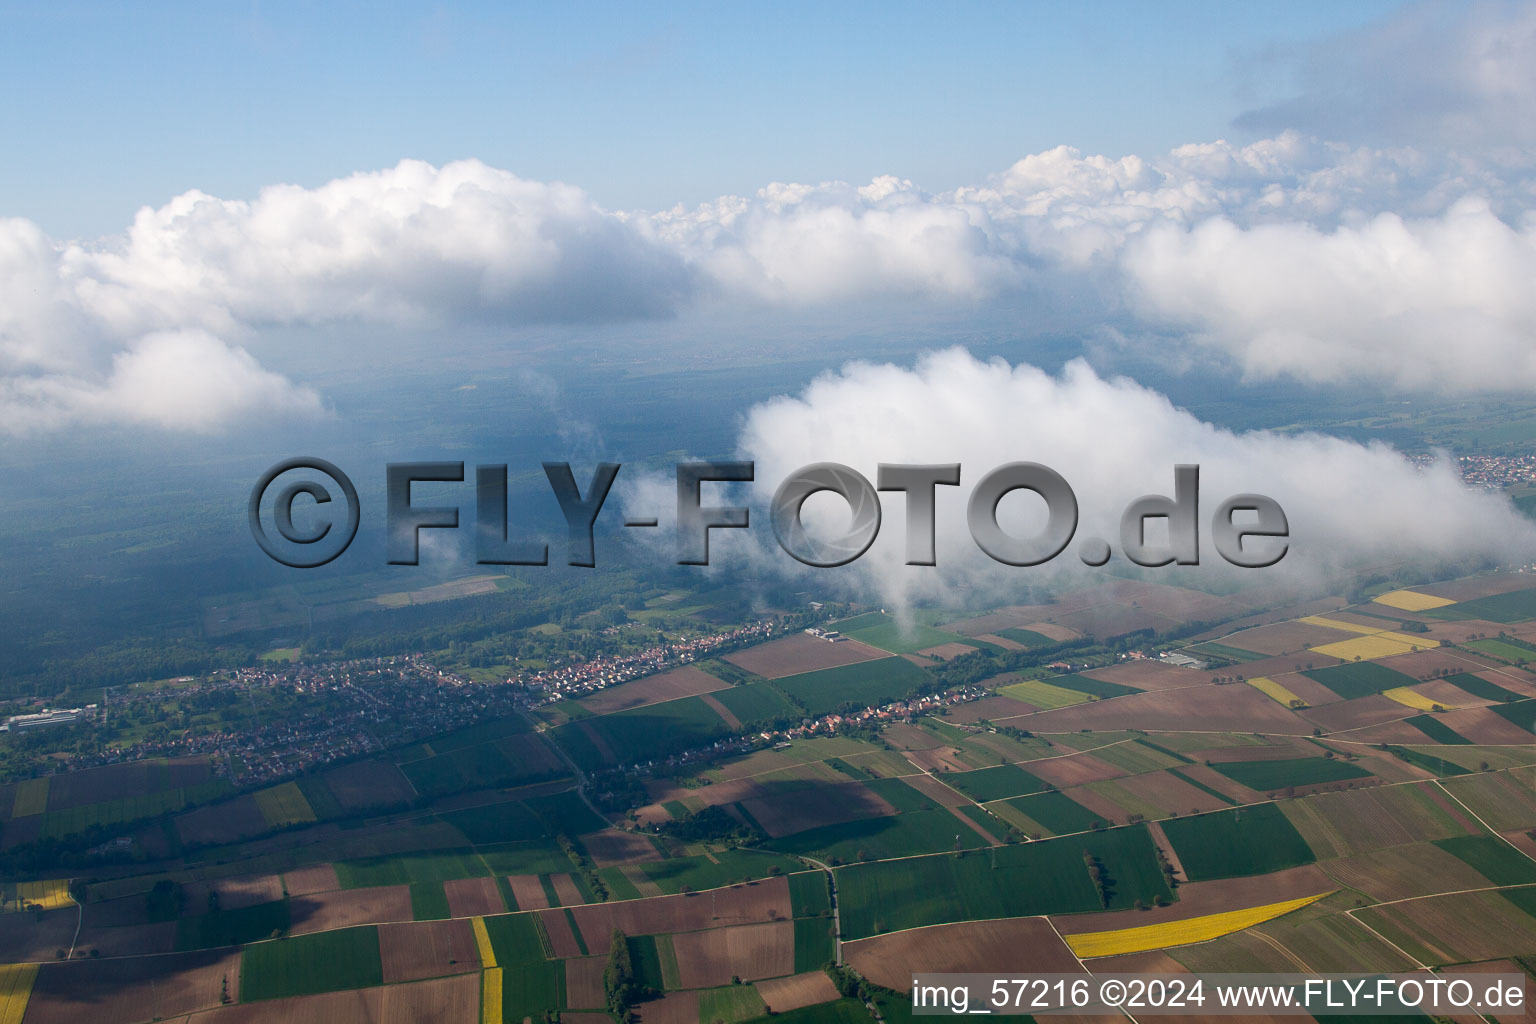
(1409, 697)
(1366, 648)
(490, 994)
(50, 895)
(15, 990)
(1180, 933)
(483, 942)
(1412, 601)
(1269, 688)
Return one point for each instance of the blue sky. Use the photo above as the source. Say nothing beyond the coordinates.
(107, 108)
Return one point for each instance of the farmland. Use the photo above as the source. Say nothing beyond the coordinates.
(306, 964)
(1301, 771)
(873, 682)
(1242, 841)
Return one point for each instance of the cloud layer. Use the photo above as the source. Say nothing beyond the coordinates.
(1404, 263)
(1349, 505)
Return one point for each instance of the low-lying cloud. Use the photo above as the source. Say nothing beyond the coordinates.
(1349, 505)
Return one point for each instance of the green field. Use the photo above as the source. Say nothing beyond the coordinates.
(899, 795)
(514, 761)
(1057, 812)
(233, 927)
(515, 938)
(867, 684)
(890, 636)
(1264, 776)
(566, 813)
(729, 867)
(506, 822)
(808, 895)
(531, 988)
(645, 733)
(284, 805)
(1027, 637)
(730, 1005)
(1138, 757)
(1243, 841)
(437, 866)
(756, 702)
(1089, 685)
(1515, 606)
(524, 858)
(1437, 730)
(1521, 713)
(1492, 858)
(997, 783)
(843, 1011)
(429, 902)
(1477, 686)
(1504, 648)
(813, 943)
(306, 964)
(1047, 877)
(897, 835)
(1359, 678)
(1226, 651)
(1043, 695)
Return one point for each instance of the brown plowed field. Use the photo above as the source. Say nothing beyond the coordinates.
(999, 641)
(120, 781)
(739, 904)
(1236, 708)
(427, 949)
(368, 784)
(473, 897)
(1281, 638)
(1463, 629)
(451, 1000)
(801, 652)
(584, 982)
(935, 790)
(1013, 617)
(316, 878)
(1170, 793)
(1361, 820)
(561, 938)
(1455, 928)
(1421, 664)
(1483, 726)
(687, 681)
(939, 759)
(320, 912)
(242, 891)
(1107, 620)
(1357, 713)
(528, 891)
(1287, 666)
(24, 939)
(1404, 871)
(1220, 783)
(996, 709)
(129, 940)
(751, 951)
(566, 889)
(1010, 945)
(1479, 586)
(783, 994)
(945, 652)
(221, 823)
(786, 812)
(1145, 674)
(133, 989)
(1073, 770)
(672, 1008)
